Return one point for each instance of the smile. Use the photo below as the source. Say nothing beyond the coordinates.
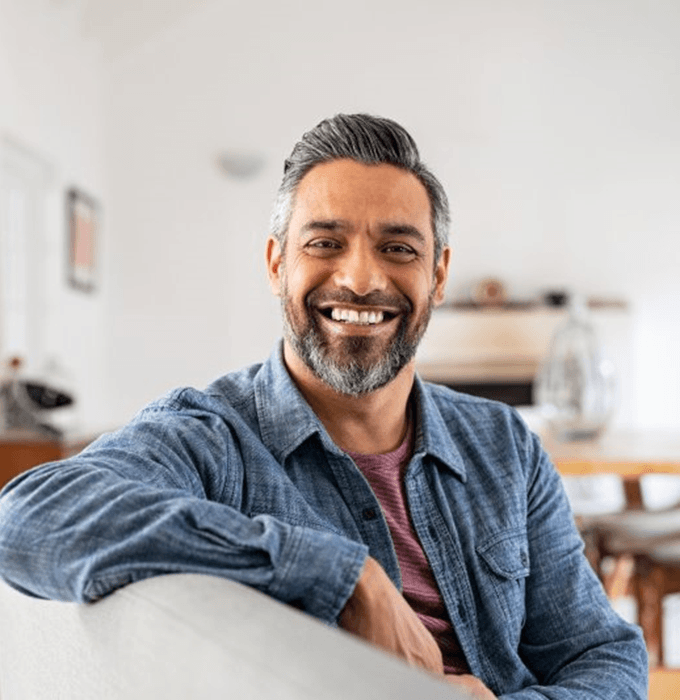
(359, 318)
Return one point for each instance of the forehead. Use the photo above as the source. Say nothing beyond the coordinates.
(362, 194)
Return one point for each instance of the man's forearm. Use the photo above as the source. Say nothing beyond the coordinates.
(77, 530)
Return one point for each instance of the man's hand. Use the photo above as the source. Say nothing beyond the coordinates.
(472, 685)
(378, 613)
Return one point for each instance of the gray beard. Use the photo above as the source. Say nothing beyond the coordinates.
(353, 378)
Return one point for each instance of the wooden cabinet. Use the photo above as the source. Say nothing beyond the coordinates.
(21, 451)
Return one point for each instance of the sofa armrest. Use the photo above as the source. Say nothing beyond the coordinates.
(190, 636)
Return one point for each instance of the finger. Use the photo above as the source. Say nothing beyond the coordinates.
(473, 685)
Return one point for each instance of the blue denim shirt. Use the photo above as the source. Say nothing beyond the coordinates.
(242, 480)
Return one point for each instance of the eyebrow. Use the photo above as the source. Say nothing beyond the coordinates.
(323, 225)
(403, 230)
(387, 229)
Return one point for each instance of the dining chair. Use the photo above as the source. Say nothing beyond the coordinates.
(637, 552)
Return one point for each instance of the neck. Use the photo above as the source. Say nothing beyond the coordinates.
(373, 423)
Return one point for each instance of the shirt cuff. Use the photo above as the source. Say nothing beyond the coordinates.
(318, 571)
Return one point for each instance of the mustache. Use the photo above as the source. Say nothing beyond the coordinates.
(347, 296)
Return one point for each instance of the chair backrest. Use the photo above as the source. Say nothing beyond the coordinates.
(189, 636)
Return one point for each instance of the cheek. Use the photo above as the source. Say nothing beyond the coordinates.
(303, 277)
(418, 288)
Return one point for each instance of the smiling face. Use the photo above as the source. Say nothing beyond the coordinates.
(357, 278)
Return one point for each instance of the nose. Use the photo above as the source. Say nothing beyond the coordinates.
(360, 271)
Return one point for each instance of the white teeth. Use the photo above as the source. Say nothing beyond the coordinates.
(363, 318)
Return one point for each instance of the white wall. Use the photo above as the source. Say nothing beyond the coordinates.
(51, 104)
(554, 127)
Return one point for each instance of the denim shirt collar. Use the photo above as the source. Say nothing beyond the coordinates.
(286, 420)
(433, 437)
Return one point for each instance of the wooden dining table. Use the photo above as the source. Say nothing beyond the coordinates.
(629, 454)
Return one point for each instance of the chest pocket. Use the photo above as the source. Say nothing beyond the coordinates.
(505, 558)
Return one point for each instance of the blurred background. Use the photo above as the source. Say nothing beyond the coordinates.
(553, 126)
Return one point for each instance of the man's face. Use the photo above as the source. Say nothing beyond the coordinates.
(357, 278)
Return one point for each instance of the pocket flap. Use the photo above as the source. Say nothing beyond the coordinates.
(507, 554)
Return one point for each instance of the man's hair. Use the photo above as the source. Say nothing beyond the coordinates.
(366, 139)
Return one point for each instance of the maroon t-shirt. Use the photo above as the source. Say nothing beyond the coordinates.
(385, 474)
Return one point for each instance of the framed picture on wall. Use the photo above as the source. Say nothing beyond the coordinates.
(83, 229)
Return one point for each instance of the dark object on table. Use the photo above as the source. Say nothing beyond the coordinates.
(556, 298)
(22, 404)
(44, 397)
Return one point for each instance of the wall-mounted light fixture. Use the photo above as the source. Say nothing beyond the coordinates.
(241, 164)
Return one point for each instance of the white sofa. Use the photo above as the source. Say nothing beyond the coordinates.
(190, 637)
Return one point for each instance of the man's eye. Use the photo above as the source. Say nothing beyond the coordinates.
(324, 245)
(399, 249)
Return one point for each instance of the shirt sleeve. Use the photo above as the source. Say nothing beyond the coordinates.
(145, 502)
(572, 640)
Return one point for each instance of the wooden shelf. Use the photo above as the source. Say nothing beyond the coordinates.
(503, 344)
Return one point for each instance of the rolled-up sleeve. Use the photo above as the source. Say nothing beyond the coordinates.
(147, 501)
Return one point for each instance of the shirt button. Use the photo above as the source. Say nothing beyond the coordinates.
(524, 559)
(369, 514)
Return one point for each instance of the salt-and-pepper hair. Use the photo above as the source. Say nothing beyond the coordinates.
(366, 139)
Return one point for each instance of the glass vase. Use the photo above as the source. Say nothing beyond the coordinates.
(575, 387)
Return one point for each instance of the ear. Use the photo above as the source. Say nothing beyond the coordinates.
(274, 256)
(441, 274)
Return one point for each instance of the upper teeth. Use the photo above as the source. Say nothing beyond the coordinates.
(352, 316)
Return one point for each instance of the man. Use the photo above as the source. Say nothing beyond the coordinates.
(330, 477)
